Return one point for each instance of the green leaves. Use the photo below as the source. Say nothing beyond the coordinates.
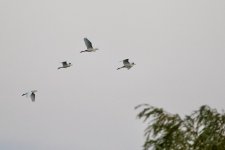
(202, 130)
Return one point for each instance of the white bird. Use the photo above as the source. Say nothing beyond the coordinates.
(89, 46)
(65, 65)
(31, 94)
(127, 64)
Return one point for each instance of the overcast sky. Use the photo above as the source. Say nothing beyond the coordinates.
(178, 46)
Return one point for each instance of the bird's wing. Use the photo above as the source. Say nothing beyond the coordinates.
(126, 62)
(32, 96)
(88, 43)
(64, 63)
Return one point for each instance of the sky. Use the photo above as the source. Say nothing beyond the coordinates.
(177, 46)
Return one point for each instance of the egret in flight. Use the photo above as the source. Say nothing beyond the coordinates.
(31, 94)
(126, 64)
(65, 65)
(89, 46)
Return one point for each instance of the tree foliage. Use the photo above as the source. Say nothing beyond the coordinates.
(204, 129)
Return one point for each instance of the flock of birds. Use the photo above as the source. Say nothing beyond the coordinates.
(126, 64)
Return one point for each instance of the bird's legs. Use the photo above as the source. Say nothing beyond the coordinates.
(84, 51)
(120, 67)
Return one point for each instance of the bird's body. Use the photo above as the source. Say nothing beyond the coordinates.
(31, 94)
(126, 64)
(89, 46)
(65, 65)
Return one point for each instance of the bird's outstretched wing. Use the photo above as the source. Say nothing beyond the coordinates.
(32, 96)
(88, 43)
(64, 63)
(126, 62)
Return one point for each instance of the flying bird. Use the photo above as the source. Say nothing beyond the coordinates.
(89, 46)
(31, 94)
(65, 65)
(127, 64)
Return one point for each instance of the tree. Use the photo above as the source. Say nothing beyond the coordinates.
(204, 129)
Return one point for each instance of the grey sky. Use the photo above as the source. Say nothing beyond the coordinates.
(178, 46)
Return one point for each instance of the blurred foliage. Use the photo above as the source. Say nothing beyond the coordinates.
(204, 129)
